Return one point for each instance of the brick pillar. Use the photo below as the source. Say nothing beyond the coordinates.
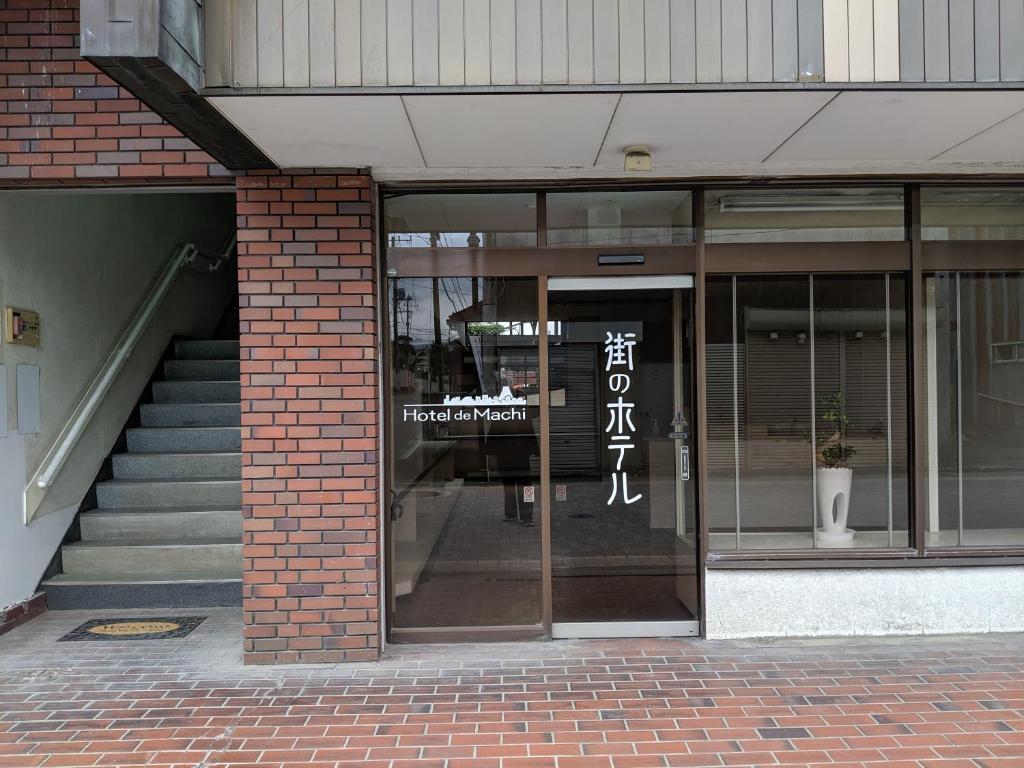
(310, 416)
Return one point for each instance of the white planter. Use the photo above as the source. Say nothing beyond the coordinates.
(834, 505)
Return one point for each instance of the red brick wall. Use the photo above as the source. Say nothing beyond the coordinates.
(310, 416)
(64, 122)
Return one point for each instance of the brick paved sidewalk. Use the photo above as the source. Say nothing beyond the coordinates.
(921, 702)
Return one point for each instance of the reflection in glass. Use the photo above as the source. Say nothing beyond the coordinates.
(623, 510)
(804, 215)
(972, 213)
(806, 375)
(461, 220)
(620, 218)
(974, 342)
(464, 452)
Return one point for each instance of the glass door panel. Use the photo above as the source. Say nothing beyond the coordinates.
(465, 546)
(623, 471)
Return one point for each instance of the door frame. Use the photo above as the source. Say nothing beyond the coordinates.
(542, 262)
(612, 629)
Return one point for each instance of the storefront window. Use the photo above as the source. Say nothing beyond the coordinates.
(972, 213)
(804, 215)
(464, 454)
(620, 218)
(504, 220)
(807, 411)
(974, 342)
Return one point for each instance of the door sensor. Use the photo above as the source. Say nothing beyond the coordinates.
(608, 259)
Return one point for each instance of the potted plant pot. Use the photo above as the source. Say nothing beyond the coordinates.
(833, 497)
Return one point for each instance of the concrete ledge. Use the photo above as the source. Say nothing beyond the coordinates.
(19, 613)
(852, 601)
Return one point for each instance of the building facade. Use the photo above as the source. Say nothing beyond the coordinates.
(600, 318)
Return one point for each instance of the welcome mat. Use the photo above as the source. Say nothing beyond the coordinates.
(146, 628)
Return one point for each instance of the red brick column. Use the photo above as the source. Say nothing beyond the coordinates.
(310, 417)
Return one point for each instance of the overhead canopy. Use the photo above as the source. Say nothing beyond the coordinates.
(576, 135)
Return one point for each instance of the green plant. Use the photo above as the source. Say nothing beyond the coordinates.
(485, 329)
(830, 440)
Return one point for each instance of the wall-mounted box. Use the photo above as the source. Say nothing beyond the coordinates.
(21, 326)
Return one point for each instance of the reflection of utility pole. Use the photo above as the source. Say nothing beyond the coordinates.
(438, 351)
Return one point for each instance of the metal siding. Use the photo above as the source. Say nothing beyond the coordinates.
(373, 42)
(218, 31)
(657, 42)
(631, 41)
(424, 42)
(785, 55)
(709, 41)
(295, 43)
(836, 29)
(759, 41)
(606, 41)
(243, 45)
(961, 40)
(986, 40)
(478, 42)
(862, 41)
(810, 41)
(554, 41)
(734, 41)
(683, 55)
(270, 42)
(580, 35)
(451, 44)
(528, 42)
(887, 41)
(936, 40)
(321, 42)
(348, 42)
(399, 21)
(503, 42)
(1011, 40)
(912, 40)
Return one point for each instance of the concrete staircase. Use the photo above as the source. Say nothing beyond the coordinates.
(167, 528)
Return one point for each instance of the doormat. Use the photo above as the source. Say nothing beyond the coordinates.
(147, 628)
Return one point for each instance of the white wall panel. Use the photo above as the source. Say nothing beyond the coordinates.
(451, 42)
(862, 40)
(244, 55)
(270, 42)
(295, 43)
(503, 42)
(606, 41)
(631, 41)
(887, 40)
(399, 35)
(837, 40)
(477, 20)
(374, 42)
(528, 42)
(580, 36)
(321, 43)
(554, 41)
(348, 54)
(657, 42)
(424, 42)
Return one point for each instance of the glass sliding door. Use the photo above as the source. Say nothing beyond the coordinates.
(623, 497)
(465, 546)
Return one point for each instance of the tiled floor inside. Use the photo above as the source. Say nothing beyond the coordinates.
(955, 702)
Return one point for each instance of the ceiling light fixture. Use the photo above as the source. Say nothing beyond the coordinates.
(638, 158)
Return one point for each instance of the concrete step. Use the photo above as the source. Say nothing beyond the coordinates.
(187, 391)
(117, 494)
(190, 414)
(165, 439)
(204, 370)
(206, 349)
(177, 466)
(66, 592)
(158, 558)
(169, 523)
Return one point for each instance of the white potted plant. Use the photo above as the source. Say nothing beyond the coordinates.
(834, 478)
